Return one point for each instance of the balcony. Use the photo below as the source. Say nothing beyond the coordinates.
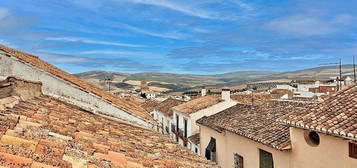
(179, 133)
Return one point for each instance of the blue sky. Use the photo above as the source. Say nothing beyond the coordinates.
(185, 36)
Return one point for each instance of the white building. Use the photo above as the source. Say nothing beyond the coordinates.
(186, 114)
(162, 113)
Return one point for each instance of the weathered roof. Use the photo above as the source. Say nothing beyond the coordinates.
(198, 104)
(166, 105)
(149, 105)
(255, 122)
(195, 138)
(251, 98)
(37, 62)
(44, 132)
(337, 115)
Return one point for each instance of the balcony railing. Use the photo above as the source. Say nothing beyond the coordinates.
(178, 132)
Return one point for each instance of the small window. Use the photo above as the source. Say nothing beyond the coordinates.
(352, 150)
(238, 161)
(211, 150)
(265, 159)
(312, 138)
(196, 150)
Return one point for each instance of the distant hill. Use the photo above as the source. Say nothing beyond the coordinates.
(180, 82)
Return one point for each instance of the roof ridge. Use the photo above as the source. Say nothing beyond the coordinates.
(47, 67)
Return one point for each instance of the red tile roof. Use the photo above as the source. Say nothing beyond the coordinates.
(44, 132)
(198, 104)
(257, 122)
(337, 115)
(37, 62)
(166, 105)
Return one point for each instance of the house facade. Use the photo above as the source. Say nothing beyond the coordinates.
(288, 134)
(163, 113)
(186, 114)
(248, 135)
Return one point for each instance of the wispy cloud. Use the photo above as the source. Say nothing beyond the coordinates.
(176, 7)
(57, 58)
(304, 24)
(122, 53)
(90, 41)
(172, 35)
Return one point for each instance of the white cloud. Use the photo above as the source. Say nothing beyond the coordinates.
(122, 53)
(171, 35)
(90, 41)
(308, 25)
(176, 7)
(4, 13)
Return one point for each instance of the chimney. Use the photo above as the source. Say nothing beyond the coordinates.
(226, 94)
(203, 91)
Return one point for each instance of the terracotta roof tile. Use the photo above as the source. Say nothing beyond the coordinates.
(166, 105)
(198, 104)
(337, 115)
(257, 122)
(195, 138)
(71, 137)
(37, 62)
(251, 98)
(149, 105)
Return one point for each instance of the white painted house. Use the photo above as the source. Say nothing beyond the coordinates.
(162, 113)
(186, 114)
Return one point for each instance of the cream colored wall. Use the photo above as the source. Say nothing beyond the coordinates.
(208, 112)
(227, 144)
(332, 152)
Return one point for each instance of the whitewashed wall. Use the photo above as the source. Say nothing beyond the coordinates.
(63, 90)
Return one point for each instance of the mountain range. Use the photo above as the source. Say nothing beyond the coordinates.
(180, 82)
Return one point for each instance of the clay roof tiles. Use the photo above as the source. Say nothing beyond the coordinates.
(149, 105)
(336, 115)
(37, 62)
(198, 104)
(166, 105)
(44, 132)
(255, 122)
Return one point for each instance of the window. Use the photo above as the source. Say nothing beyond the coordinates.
(185, 127)
(196, 150)
(177, 122)
(211, 150)
(352, 150)
(312, 138)
(238, 161)
(265, 159)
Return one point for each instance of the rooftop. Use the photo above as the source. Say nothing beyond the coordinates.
(198, 104)
(195, 138)
(256, 122)
(149, 105)
(247, 98)
(166, 105)
(44, 132)
(37, 62)
(337, 115)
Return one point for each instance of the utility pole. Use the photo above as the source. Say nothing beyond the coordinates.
(354, 70)
(340, 75)
(107, 80)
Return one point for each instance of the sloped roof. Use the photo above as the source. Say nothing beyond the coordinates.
(195, 138)
(198, 104)
(337, 115)
(247, 98)
(37, 62)
(44, 132)
(166, 105)
(255, 122)
(149, 105)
